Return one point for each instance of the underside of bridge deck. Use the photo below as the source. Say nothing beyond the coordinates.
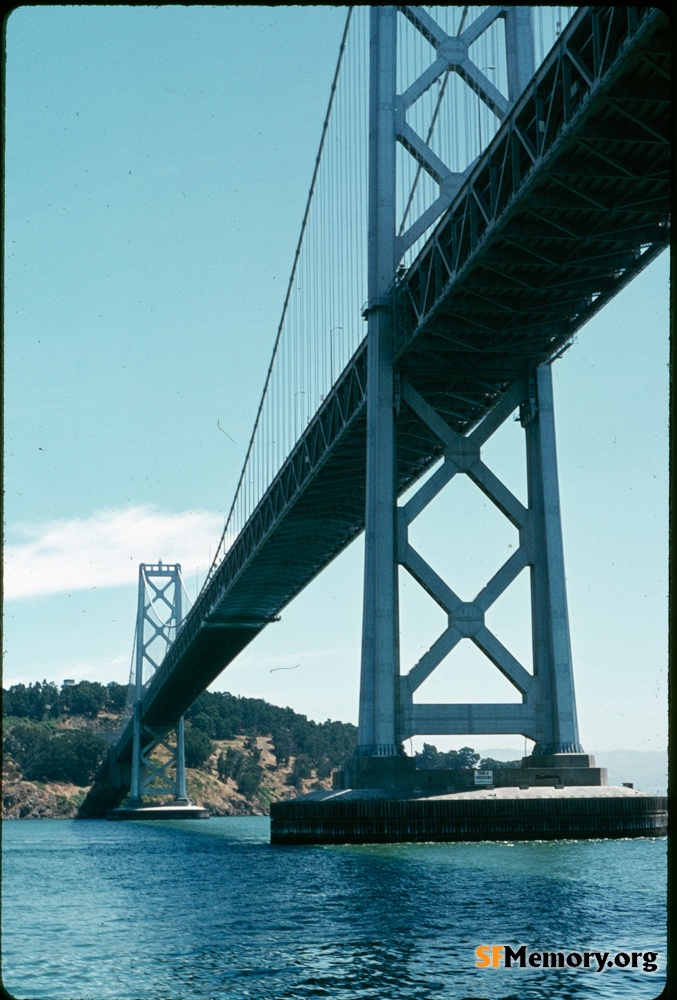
(568, 203)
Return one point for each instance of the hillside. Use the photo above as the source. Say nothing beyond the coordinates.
(241, 753)
(24, 799)
(646, 769)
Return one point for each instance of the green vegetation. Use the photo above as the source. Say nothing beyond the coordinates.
(430, 758)
(222, 716)
(45, 701)
(490, 764)
(197, 746)
(72, 757)
(44, 750)
(243, 768)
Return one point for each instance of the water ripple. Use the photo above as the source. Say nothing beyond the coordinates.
(194, 911)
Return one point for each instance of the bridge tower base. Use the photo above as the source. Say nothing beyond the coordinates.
(544, 813)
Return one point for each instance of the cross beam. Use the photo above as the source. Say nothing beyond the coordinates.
(388, 714)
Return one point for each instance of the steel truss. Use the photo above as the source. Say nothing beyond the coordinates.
(452, 55)
(388, 714)
(573, 203)
(547, 714)
(547, 231)
(159, 615)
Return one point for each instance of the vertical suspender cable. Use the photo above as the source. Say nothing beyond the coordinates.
(292, 278)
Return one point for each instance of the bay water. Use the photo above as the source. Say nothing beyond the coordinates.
(203, 910)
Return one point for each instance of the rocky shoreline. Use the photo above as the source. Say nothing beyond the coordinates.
(35, 800)
(23, 799)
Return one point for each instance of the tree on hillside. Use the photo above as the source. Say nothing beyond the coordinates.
(242, 768)
(197, 746)
(301, 769)
(323, 768)
(491, 764)
(33, 702)
(72, 757)
(116, 696)
(85, 698)
(430, 758)
(249, 780)
(283, 745)
(466, 758)
(229, 764)
(26, 743)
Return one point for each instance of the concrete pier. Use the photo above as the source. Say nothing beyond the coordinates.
(549, 797)
(368, 816)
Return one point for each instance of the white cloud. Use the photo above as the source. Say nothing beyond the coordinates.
(105, 549)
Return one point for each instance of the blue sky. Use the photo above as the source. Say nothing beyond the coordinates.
(157, 165)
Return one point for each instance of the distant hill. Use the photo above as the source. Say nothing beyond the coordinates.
(646, 769)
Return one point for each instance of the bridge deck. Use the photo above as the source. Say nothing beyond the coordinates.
(569, 202)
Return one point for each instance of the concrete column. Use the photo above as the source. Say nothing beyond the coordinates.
(380, 630)
(556, 709)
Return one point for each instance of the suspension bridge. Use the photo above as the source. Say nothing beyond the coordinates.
(487, 179)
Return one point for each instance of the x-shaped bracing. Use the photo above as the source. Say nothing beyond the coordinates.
(466, 619)
(156, 594)
(156, 777)
(452, 55)
(159, 594)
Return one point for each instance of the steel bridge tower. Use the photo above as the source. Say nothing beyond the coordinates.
(388, 715)
(159, 614)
